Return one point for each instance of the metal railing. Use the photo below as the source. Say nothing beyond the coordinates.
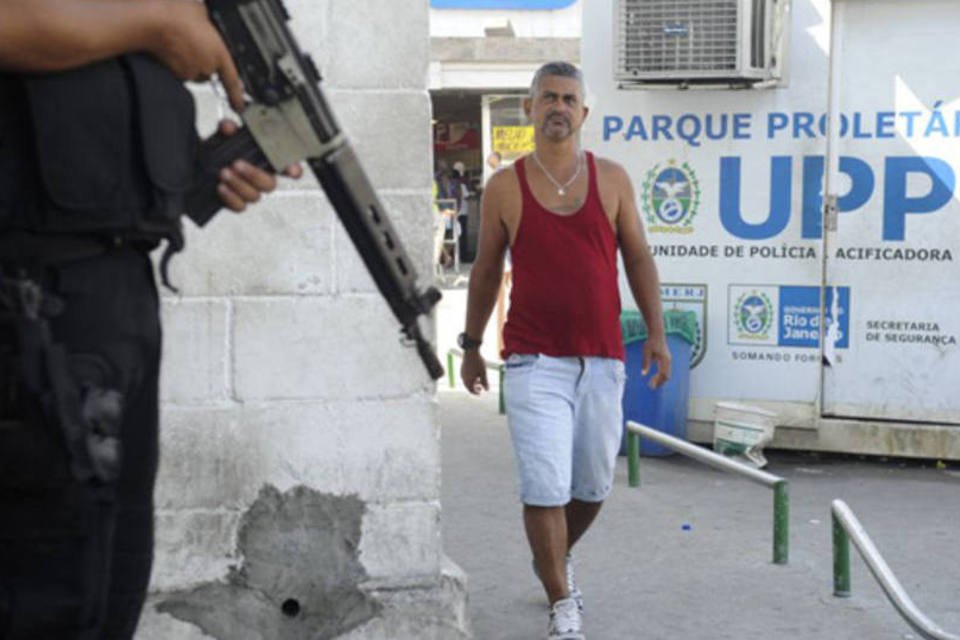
(494, 365)
(846, 527)
(781, 492)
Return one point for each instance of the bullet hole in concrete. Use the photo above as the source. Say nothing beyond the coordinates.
(299, 542)
(291, 607)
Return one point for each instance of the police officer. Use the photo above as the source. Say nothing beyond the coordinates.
(97, 152)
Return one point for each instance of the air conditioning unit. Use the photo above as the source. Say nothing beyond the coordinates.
(689, 43)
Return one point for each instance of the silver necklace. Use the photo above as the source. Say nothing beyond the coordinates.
(561, 188)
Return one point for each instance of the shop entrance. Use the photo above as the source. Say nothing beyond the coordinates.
(474, 133)
(458, 172)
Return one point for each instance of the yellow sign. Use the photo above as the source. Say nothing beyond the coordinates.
(513, 141)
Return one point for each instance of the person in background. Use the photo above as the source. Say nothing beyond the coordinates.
(447, 196)
(462, 194)
(494, 160)
(563, 213)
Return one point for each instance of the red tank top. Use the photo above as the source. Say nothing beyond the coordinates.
(565, 299)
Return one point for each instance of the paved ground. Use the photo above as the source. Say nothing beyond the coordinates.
(644, 577)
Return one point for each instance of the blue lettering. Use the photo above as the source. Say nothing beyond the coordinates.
(636, 129)
(661, 124)
(722, 133)
(886, 124)
(611, 125)
(858, 131)
(730, 214)
(775, 122)
(803, 123)
(813, 171)
(844, 124)
(689, 134)
(897, 205)
(911, 117)
(741, 126)
(937, 122)
(861, 184)
(861, 188)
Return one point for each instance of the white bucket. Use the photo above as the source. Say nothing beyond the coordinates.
(742, 431)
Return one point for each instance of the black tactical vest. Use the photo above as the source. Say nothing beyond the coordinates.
(106, 149)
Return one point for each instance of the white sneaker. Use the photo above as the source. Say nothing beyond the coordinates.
(572, 587)
(565, 621)
(572, 584)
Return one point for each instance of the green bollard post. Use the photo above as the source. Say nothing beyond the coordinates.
(453, 382)
(841, 560)
(781, 522)
(503, 402)
(633, 459)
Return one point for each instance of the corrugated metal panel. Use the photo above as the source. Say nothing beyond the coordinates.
(677, 36)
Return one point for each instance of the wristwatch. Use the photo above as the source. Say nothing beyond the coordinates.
(466, 342)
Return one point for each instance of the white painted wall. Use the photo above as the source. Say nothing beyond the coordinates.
(282, 364)
(896, 57)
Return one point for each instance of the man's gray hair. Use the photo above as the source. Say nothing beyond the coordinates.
(562, 69)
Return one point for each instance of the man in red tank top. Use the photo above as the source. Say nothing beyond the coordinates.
(563, 214)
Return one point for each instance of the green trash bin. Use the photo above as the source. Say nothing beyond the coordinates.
(663, 409)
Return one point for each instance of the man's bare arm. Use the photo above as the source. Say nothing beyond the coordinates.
(641, 275)
(637, 260)
(487, 271)
(54, 35)
(485, 277)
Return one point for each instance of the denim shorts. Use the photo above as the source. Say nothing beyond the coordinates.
(566, 422)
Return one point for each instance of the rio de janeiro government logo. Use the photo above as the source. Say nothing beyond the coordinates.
(670, 197)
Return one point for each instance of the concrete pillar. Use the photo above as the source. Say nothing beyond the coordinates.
(299, 489)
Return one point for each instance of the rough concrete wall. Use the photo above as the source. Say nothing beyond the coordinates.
(299, 485)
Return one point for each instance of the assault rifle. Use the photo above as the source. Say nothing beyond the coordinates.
(289, 121)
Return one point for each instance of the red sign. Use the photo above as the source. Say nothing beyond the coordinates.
(455, 136)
